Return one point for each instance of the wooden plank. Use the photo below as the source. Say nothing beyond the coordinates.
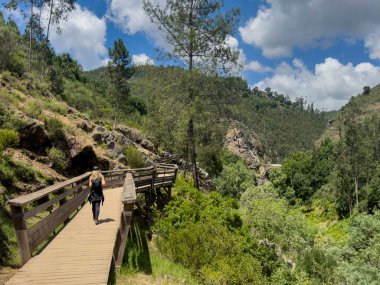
(129, 190)
(29, 198)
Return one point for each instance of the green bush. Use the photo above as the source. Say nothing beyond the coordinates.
(10, 120)
(7, 138)
(212, 253)
(11, 172)
(58, 158)
(191, 206)
(33, 109)
(55, 128)
(135, 159)
(234, 180)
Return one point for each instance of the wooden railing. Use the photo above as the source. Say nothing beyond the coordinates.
(38, 215)
(129, 200)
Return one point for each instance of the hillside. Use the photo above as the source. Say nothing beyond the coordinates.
(360, 107)
(281, 126)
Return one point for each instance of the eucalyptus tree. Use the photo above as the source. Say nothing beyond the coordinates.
(58, 10)
(196, 32)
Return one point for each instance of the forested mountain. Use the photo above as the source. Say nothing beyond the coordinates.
(313, 220)
(282, 125)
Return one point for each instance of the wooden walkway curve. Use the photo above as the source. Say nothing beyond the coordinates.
(81, 252)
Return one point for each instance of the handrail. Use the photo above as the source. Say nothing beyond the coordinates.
(29, 198)
(129, 200)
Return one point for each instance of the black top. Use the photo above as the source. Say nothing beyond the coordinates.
(96, 193)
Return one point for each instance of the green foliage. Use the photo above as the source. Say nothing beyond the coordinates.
(12, 54)
(33, 109)
(135, 159)
(55, 128)
(63, 66)
(216, 260)
(7, 139)
(203, 233)
(192, 206)
(120, 70)
(11, 172)
(194, 29)
(319, 264)
(360, 257)
(60, 162)
(234, 180)
(303, 173)
(271, 219)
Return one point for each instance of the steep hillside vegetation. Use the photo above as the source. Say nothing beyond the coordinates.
(360, 107)
(280, 125)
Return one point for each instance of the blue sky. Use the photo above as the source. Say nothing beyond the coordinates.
(322, 50)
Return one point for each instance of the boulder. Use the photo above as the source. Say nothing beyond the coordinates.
(97, 137)
(130, 133)
(148, 145)
(203, 175)
(35, 138)
(111, 144)
(122, 159)
(86, 126)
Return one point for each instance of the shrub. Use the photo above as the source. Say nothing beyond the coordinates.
(7, 138)
(10, 120)
(33, 109)
(135, 159)
(213, 253)
(55, 129)
(11, 172)
(191, 206)
(234, 180)
(58, 158)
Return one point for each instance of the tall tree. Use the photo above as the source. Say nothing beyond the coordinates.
(58, 10)
(120, 70)
(197, 32)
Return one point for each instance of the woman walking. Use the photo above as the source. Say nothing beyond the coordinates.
(96, 196)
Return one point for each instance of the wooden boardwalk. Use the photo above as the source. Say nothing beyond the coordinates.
(82, 252)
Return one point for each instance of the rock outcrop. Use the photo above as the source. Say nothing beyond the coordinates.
(35, 138)
(245, 145)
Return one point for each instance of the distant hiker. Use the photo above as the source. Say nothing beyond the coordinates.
(96, 196)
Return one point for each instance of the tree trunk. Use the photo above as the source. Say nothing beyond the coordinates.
(356, 192)
(193, 155)
(50, 16)
(30, 35)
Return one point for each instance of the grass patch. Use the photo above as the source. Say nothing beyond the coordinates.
(8, 242)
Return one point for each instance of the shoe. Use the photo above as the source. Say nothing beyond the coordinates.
(96, 222)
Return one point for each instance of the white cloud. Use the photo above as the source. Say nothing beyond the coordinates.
(233, 44)
(257, 67)
(283, 25)
(141, 59)
(83, 36)
(329, 86)
(130, 16)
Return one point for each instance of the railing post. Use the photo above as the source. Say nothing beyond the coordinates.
(21, 233)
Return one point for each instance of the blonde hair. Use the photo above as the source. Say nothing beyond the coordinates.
(96, 174)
